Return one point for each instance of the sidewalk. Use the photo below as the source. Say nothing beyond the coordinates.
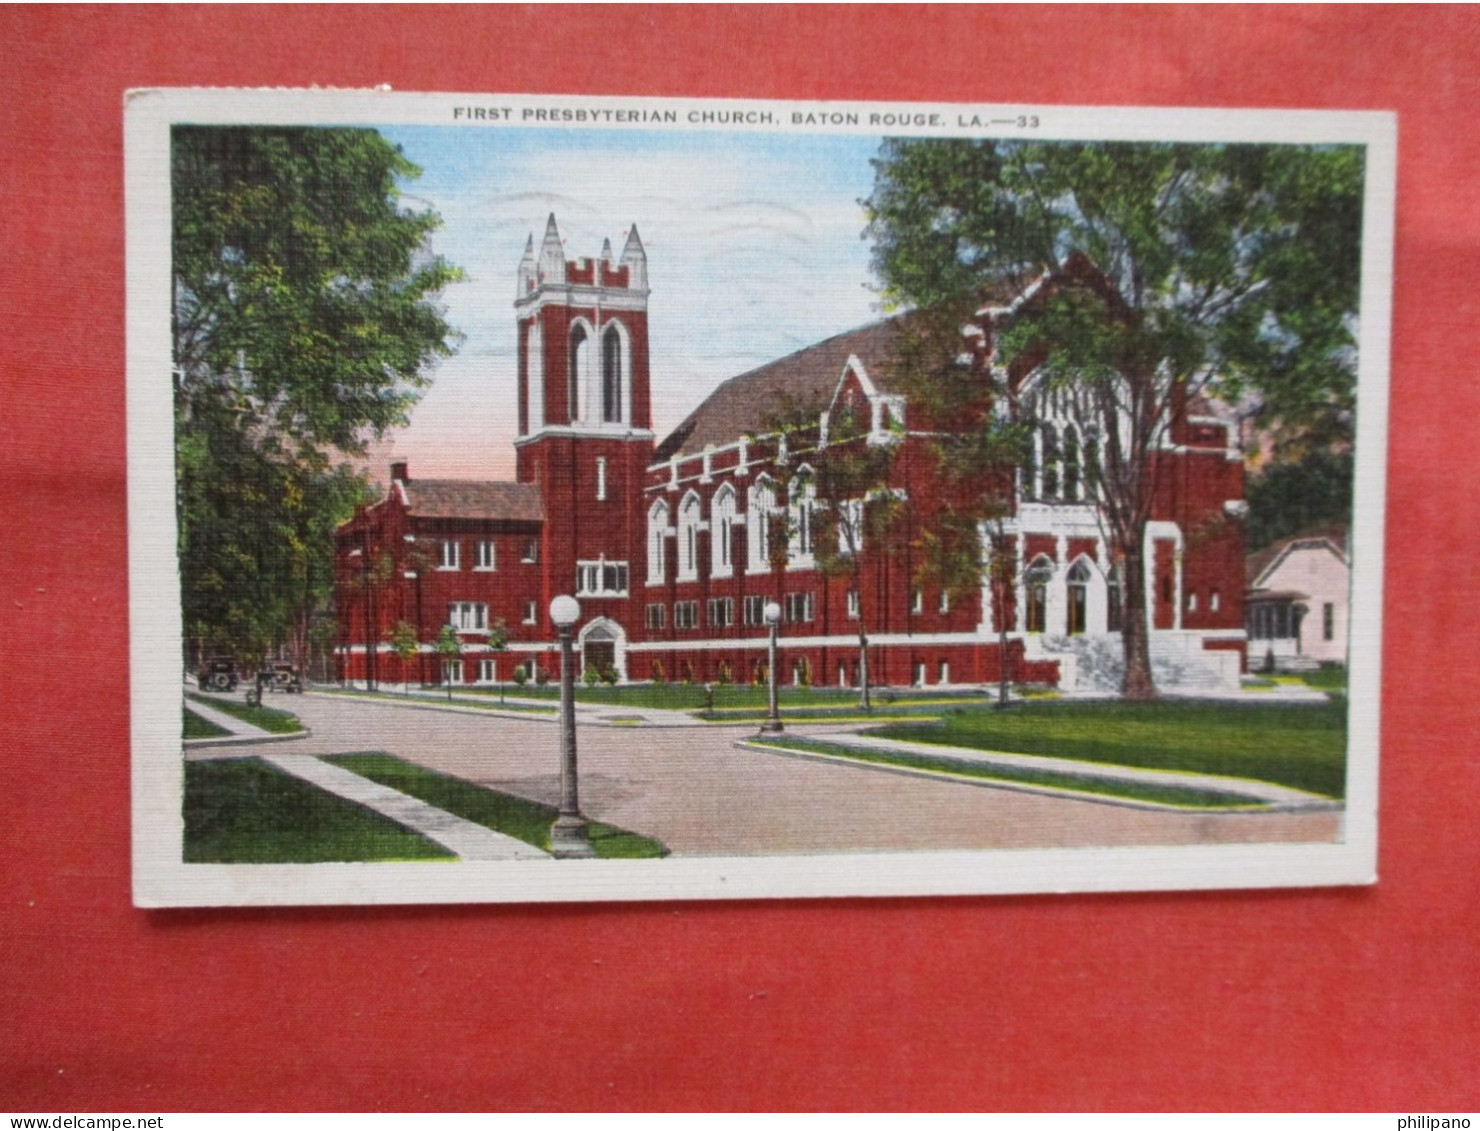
(467, 840)
(1276, 797)
(240, 732)
(587, 714)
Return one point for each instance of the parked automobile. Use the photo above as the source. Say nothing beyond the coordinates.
(217, 674)
(279, 677)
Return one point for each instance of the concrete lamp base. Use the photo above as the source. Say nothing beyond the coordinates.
(569, 839)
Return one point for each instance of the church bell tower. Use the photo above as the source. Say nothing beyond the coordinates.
(585, 420)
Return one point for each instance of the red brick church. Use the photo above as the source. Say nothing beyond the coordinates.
(673, 549)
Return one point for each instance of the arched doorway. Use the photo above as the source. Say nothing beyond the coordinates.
(604, 648)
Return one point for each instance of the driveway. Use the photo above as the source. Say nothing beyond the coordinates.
(691, 788)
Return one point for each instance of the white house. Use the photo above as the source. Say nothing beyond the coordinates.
(1298, 600)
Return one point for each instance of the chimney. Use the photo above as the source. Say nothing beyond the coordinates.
(399, 474)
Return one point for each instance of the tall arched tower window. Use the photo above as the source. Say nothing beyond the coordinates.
(613, 376)
(579, 366)
(534, 370)
(1078, 594)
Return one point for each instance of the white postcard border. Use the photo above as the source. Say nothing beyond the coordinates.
(162, 880)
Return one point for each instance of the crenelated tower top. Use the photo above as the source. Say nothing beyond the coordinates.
(583, 351)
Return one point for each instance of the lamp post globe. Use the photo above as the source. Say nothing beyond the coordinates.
(772, 615)
(568, 835)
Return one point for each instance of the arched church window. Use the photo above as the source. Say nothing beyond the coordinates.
(1078, 594)
(722, 525)
(579, 363)
(534, 363)
(689, 515)
(1071, 464)
(1038, 576)
(1114, 603)
(657, 535)
(612, 376)
(801, 507)
(1050, 465)
(762, 505)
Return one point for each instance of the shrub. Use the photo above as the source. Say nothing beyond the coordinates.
(521, 675)
(723, 676)
(658, 674)
(590, 676)
(609, 676)
(541, 676)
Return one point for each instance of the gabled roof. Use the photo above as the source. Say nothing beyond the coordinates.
(1260, 563)
(745, 405)
(475, 499)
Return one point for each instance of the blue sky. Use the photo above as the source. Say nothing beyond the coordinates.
(754, 250)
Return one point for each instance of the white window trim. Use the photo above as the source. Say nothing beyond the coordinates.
(442, 555)
(492, 566)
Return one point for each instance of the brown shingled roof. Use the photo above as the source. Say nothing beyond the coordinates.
(744, 405)
(1258, 562)
(474, 498)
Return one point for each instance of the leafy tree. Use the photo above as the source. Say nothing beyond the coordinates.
(1174, 269)
(498, 644)
(404, 644)
(860, 513)
(1288, 498)
(448, 647)
(304, 322)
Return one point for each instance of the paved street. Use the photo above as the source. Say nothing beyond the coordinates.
(694, 790)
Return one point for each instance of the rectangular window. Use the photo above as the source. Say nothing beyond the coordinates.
(917, 602)
(655, 615)
(531, 551)
(686, 614)
(453, 670)
(468, 616)
(1328, 621)
(447, 554)
(1215, 601)
(945, 602)
(798, 608)
(601, 579)
(945, 672)
(721, 612)
(600, 479)
(487, 556)
(487, 671)
(853, 604)
(531, 612)
(755, 610)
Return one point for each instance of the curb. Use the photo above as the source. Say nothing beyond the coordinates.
(1255, 806)
(245, 739)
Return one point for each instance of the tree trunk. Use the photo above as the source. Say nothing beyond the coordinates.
(864, 698)
(1137, 682)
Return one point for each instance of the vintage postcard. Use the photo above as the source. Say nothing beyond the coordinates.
(553, 498)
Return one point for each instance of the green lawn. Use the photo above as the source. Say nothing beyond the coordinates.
(1136, 791)
(1297, 745)
(197, 727)
(517, 817)
(268, 718)
(243, 811)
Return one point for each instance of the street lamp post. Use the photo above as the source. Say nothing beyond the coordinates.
(772, 613)
(569, 836)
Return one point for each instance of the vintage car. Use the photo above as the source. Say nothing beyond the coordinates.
(217, 674)
(275, 676)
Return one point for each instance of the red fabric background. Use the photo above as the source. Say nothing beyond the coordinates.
(1352, 999)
